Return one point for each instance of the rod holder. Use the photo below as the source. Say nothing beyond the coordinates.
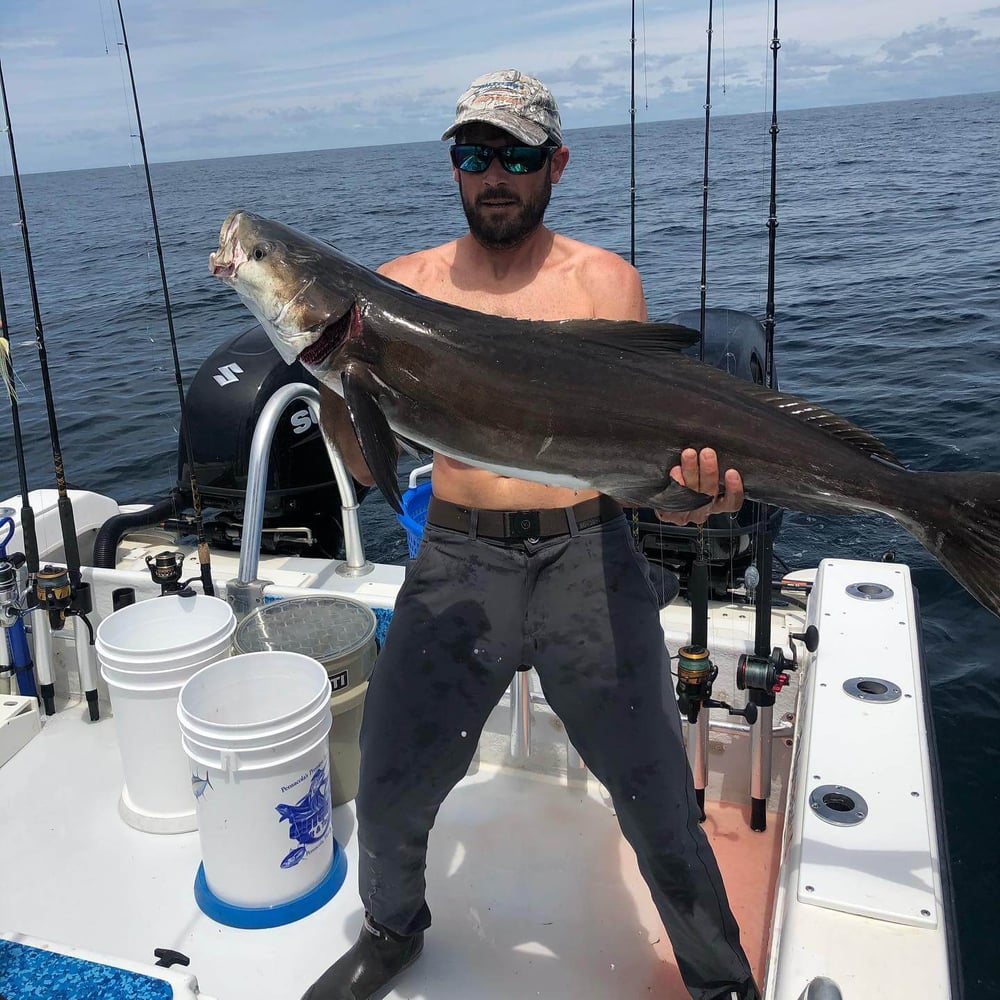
(697, 751)
(761, 746)
(520, 715)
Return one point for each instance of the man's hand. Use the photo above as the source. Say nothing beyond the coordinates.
(700, 471)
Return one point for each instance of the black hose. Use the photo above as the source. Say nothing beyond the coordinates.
(106, 543)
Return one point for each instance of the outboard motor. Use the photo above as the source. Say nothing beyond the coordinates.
(302, 508)
(734, 342)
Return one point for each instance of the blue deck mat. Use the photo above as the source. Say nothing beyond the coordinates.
(382, 618)
(29, 973)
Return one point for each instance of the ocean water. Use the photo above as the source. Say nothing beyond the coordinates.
(887, 310)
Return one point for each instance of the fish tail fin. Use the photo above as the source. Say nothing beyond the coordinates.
(964, 532)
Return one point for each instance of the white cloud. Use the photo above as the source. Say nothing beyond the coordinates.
(251, 76)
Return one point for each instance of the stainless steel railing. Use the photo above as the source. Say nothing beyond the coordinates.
(246, 591)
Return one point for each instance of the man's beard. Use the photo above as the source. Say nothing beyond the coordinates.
(504, 231)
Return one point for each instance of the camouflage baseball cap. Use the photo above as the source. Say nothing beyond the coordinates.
(513, 101)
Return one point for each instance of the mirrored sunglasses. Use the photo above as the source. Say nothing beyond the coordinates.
(475, 159)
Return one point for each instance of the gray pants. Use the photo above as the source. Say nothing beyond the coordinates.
(580, 609)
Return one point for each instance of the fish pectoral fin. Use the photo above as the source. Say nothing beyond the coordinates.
(670, 499)
(375, 436)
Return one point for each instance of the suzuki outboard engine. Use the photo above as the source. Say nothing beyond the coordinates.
(734, 342)
(302, 508)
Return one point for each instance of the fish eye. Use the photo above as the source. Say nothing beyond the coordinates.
(260, 251)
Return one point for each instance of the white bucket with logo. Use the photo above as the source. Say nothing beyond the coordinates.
(255, 731)
(146, 653)
(340, 633)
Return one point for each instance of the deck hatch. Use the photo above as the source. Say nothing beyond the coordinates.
(874, 690)
(838, 805)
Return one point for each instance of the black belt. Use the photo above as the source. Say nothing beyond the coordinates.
(518, 525)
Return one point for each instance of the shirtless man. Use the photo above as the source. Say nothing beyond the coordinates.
(560, 586)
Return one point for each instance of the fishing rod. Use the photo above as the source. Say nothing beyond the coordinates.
(704, 182)
(204, 559)
(772, 219)
(7, 363)
(695, 670)
(631, 258)
(60, 592)
(762, 674)
(632, 133)
(763, 641)
(12, 606)
(698, 580)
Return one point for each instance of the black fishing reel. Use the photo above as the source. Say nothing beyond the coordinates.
(166, 569)
(695, 675)
(765, 676)
(55, 593)
(10, 600)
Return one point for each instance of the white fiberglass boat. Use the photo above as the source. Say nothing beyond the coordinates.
(843, 893)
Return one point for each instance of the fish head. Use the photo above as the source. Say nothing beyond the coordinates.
(285, 279)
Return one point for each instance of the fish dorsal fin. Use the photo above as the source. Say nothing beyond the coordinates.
(629, 337)
(828, 422)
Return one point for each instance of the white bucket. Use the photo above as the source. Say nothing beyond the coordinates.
(243, 736)
(146, 652)
(137, 636)
(340, 632)
(254, 728)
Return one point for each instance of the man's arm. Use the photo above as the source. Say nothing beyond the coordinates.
(615, 287)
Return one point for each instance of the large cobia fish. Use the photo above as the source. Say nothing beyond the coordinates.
(581, 403)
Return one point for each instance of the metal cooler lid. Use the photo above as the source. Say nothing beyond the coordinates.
(324, 628)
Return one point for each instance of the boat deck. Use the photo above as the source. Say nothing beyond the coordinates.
(534, 891)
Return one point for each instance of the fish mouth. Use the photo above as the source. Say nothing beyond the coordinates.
(223, 263)
(223, 270)
(333, 335)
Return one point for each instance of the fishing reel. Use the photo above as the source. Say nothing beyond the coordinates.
(695, 675)
(55, 593)
(166, 569)
(765, 676)
(10, 599)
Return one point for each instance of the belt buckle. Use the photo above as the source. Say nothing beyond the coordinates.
(524, 525)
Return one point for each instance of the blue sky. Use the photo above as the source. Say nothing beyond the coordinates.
(234, 77)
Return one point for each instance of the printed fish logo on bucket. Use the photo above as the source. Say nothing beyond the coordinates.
(199, 784)
(309, 819)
